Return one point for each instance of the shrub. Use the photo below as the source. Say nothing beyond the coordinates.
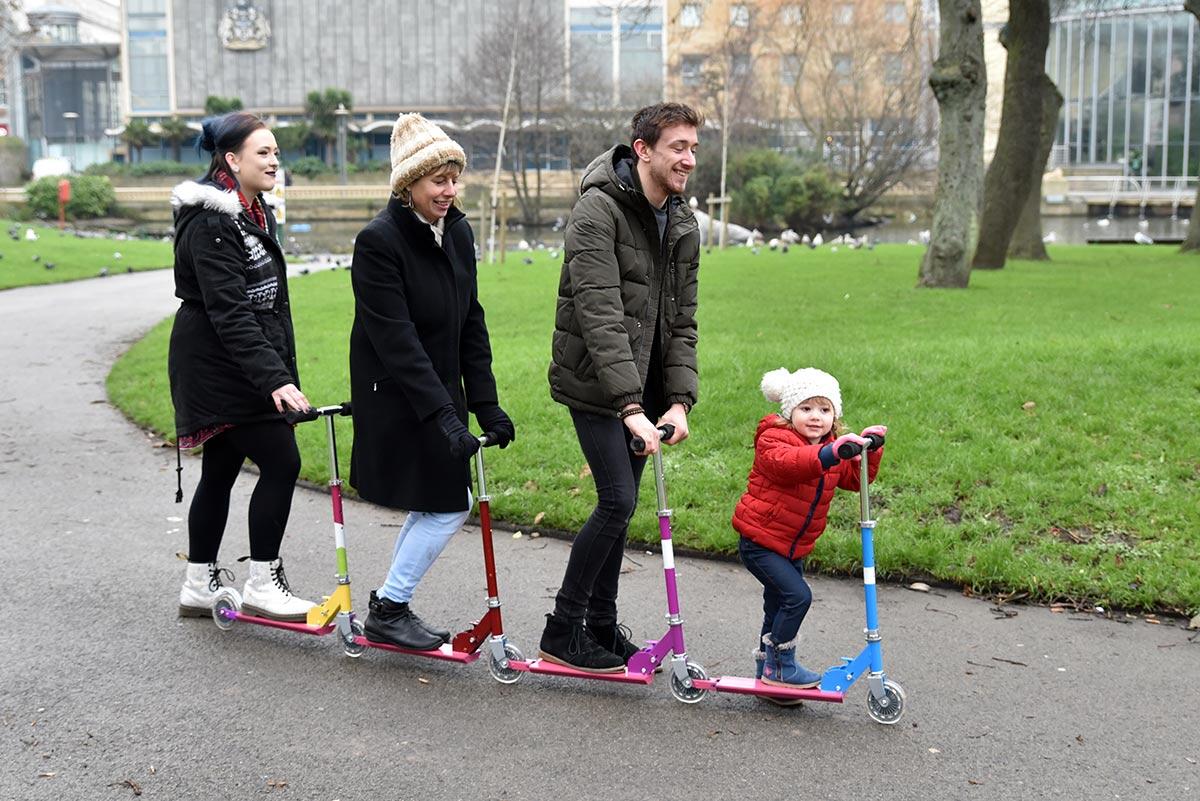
(772, 190)
(308, 166)
(91, 196)
(377, 165)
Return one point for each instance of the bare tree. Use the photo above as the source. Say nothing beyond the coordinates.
(538, 88)
(1192, 240)
(959, 82)
(857, 82)
(1027, 238)
(1009, 176)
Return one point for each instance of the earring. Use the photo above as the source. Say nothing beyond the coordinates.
(236, 168)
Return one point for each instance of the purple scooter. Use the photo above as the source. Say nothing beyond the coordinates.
(668, 652)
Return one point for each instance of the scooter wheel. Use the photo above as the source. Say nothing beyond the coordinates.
(503, 673)
(351, 647)
(889, 709)
(227, 602)
(685, 694)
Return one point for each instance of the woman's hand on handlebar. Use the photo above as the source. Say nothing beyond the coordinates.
(289, 396)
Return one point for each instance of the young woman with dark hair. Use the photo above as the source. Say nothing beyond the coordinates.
(232, 363)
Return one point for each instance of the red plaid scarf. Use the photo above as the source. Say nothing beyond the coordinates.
(253, 208)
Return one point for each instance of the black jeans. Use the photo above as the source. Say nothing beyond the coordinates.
(589, 588)
(786, 595)
(271, 446)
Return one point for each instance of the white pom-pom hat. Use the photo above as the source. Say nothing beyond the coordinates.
(418, 148)
(790, 389)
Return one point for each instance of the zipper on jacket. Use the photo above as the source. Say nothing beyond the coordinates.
(811, 511)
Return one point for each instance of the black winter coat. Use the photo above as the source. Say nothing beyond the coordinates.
(232, 344)
(418, 342)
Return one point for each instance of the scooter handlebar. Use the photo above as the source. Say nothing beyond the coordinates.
(637, 444)
(849, 450)
(489, 439)
(294, 417)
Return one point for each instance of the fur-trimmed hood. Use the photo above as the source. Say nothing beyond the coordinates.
(211, 196)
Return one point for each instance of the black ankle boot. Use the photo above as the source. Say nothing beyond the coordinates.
(613, 637)
(441, 634)
(393, 623)
(567, 642)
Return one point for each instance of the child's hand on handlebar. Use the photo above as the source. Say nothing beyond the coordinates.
(879, 431)
(850, 438)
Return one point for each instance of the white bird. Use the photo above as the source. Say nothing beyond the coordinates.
(1050, 238)
(117, 255)
(1143, 223)
(1142, 239)
(693, 203)
(789, 237)
(31, 235)
(912, 218)
(924, 236)
(805, 240)
(522, 245)
(818, 240)
(913, 242)
(1103, 222)
(773, 244)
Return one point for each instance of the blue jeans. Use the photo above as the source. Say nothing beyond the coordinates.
(786, 595)
(419, 543)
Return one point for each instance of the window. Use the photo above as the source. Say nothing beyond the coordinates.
(690, 15)
(843, 14)
(790, 68)
(895, 13)
(739, 67)
(739, 15)
(843, 65)
(791, 14)
(893, 68)
(691, 70)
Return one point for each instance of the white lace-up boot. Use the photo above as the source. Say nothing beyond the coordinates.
(200, 587)
(267, 594)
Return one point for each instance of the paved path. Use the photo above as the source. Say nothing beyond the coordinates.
(103, 688)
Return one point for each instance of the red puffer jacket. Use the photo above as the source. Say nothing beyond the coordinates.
(788, 493)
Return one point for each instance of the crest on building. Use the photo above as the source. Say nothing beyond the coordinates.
(244, 27)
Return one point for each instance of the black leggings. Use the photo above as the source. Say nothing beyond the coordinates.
(589, 588)
(271, 446)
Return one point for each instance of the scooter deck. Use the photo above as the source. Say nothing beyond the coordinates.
(554, 669)
(748, 686)
(444, 652)
(302, 628)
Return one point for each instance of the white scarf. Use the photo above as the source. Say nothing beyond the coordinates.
(438, 227)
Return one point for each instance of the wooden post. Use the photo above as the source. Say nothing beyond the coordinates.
(503, 233)
(712, 202)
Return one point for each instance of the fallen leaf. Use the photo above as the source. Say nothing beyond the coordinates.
(47, 774)
(423, 681)
(1029, 406)
(573, 491)
(586, 471)
(1194, 623)
(535, 534)
(277, 784)
(919, 586)
(972, 781)
(517, 535)
(539, 517)
(935, 750)
(531, 486)
(1079, 739)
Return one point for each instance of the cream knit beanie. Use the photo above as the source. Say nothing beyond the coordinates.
(418, 148)
(789, 389)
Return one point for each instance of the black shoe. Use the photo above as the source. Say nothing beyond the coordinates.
(567, 642)
(394, 624)
(441, 634)
(613, 637)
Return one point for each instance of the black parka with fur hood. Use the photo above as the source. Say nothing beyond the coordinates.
(616, 288)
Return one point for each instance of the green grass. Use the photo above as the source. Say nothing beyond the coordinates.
(73, 257)
(1088, 494)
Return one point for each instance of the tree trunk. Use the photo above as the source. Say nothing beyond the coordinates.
(177, 150)
(1027, 238)
(1009, 176)
(959, 82)
(1192, 240)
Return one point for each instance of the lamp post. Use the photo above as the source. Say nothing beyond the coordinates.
(342, 115)
(72, 119)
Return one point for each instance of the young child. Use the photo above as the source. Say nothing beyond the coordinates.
(783, 511)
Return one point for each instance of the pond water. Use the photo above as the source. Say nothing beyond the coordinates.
(318, 236)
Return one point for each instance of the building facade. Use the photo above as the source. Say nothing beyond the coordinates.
(1129, 73)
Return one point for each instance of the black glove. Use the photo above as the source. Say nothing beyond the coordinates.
(493, 420)
(462, 442)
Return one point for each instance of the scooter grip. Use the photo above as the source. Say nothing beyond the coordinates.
(489, 439)
(848, 450)
(876, 442)
(346, 411)
(294, 417)
(637, 444)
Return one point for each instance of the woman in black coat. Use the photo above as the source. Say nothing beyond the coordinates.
(419, 360)
(232, 363)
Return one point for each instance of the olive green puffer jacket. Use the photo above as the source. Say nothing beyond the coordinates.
(615, 289)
